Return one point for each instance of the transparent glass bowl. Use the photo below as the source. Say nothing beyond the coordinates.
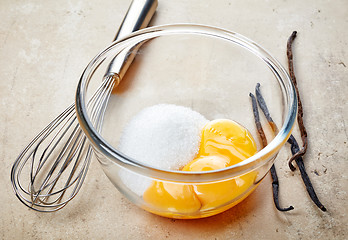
(209, 70)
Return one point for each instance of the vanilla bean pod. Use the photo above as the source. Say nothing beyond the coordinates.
(294, 149)
(275, 181)
(302, 128)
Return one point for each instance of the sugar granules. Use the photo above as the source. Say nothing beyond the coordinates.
(163, 136)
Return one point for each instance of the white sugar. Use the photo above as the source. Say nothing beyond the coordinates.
(164, 136)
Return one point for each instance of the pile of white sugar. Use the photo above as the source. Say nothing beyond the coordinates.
(164, 136)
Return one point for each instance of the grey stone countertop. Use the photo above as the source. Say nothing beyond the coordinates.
(44, 47)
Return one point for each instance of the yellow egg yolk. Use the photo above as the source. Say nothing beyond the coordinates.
(223, 144)
(227, 139)
(172, 197)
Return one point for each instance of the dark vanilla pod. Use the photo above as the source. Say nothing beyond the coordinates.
(275, 181)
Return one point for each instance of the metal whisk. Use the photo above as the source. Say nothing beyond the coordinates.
(50, 171)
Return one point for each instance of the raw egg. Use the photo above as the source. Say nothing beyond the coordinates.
(227, 139)
(223, 144)
(172, 197)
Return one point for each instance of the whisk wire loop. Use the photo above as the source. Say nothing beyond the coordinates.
(66, 147)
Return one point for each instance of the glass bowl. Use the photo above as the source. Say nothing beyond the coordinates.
(210, 70)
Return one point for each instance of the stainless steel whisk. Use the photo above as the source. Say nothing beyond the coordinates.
(50, 171)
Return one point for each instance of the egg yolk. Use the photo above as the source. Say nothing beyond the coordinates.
(227, 139)
(223, 144)
(172, 197)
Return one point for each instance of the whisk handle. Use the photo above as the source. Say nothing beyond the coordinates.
(138, 16)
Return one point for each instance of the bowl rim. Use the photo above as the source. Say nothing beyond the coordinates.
(262, 157)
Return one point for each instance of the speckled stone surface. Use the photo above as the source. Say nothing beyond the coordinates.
(45, 45)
